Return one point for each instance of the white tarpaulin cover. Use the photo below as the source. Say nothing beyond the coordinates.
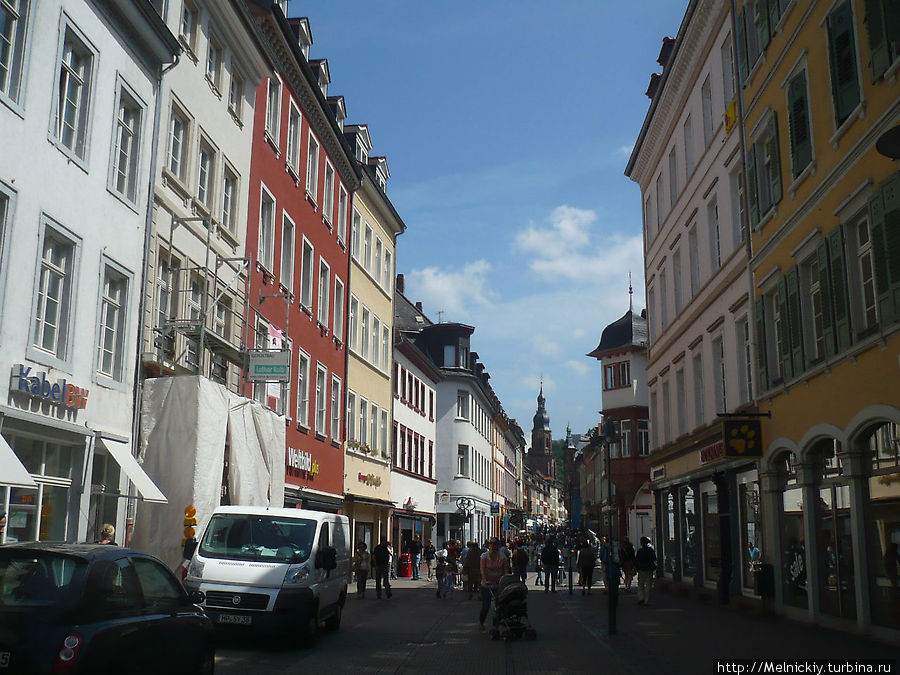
(185, 424)
(12, 471)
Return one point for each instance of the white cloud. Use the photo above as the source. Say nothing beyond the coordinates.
(455, 292)
(624, 150)
(578, 367)
(545, 346)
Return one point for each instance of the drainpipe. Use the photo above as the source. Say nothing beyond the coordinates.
(148, 238)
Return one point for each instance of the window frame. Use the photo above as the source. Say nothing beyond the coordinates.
(86, 106)
(208, 200)
(213, 45)
(286, 269)
(273, 111)
(176, 110)
(323, 297)
(229, 217)
(118, 378)
(13, 95)
(321, 397)
(133, 191)
(343, 200)
(338, 316)
(266, 261)
(328, 194)
(312, 167)
(336, 408)
(306, 274)
(294, 134)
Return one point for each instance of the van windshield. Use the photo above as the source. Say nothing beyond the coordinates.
(240, 536)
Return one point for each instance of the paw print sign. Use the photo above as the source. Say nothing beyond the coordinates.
(742, 438)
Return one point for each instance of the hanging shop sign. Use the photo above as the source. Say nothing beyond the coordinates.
(495, 508)
(36, 385)
(269, 365)
(742, 438)
(300, 460)
(443, 498)
(712, 453)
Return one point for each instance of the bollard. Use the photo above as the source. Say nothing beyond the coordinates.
(570, 571)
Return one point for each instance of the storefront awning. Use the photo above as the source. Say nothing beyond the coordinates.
(369, 501)
(121, 452)
(12, 471)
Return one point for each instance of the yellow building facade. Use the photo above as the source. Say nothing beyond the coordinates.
(819, 84)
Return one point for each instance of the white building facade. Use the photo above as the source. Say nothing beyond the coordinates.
(79, 84)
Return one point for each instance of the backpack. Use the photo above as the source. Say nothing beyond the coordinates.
(645, 559)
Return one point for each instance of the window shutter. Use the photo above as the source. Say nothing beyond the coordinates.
(890, 194)
(761, 355)
(784, 335)
(752, 193)
(743, 62)
(825, 290)
(842, 327)
(774, 160)
(798, 121)
(774, 14)
(879, 257)
(761, 16)
(842, 55)
(796, 328)
(880, 57)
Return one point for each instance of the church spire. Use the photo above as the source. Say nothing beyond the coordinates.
(630, 293)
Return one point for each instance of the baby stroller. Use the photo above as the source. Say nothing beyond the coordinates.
(511, 610)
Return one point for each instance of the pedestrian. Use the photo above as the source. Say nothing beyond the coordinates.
(429, 555)
(452, 572)
(626, 555)
(604, 556)
(645, 562)
(472, 568)
(391, 568)
(493, 565)
(415, 556)
(754, 555)
(361, 563)
(107, 535)
(550, 556)
(520, 562)
(539, 568)
(441, 571)
(382, 555)
(586, 562)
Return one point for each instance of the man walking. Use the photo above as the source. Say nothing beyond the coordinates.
(550, 559)
(429, 554)
(520, 562)
(415, 556)
(382, 556)
(645, 562)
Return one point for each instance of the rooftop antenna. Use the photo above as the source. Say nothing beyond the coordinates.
(440, 314)
(630, 292)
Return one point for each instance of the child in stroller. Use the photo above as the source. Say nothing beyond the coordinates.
(510, 604)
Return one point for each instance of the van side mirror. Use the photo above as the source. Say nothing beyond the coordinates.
(190, 546)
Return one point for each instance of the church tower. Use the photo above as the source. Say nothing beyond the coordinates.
(541, 456)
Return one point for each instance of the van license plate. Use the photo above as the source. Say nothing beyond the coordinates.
(235, 618)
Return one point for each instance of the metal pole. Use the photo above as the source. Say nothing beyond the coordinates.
(568, 545)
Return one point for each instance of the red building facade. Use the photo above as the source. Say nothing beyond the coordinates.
(301, 180)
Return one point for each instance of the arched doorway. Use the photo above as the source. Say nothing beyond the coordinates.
(795, 592)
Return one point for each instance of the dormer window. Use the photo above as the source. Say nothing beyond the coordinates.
(362, 155)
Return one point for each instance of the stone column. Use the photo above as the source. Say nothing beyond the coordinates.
(807, 478)
(698, 532)
(771, 505)
(856, 471)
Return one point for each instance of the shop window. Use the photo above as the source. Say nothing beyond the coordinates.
(670, 542)
(793, 540)
(690, 548)
(751, 530)
(712, 542)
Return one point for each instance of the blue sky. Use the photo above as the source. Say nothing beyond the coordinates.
(507, 127)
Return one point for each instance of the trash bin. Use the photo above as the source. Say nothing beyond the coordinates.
(404, 568)
(764, 578)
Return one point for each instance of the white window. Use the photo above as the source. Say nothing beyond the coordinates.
(699, 413)
(111, 344)
(364, 333)
(342, 214)
(236, 93)
(719, 374)
(338, 327)
(376, 333)
(293, 139)
(321, 399)
(126, 145)
(267, 229)
(273, 109)
(351, 416)
(462, 405)
(376, 268)
(706, 99)
(13, 24)
(165, 346)
(367, 249)
(355, 234)
(462, 460)
(324, 284)
(306, 279)
(189, 21)
(736, 181)
(449, 356)
(690, 159)
(643, 437)
(373, 426)
(54, 294)
(5, 211)
(727, 71)
(384, 431)
(221, 314)
(663, 299)
(206, 167)
(178, 142)
(673, 177)
(312, 168)
(863, 291)
(229, 199)
(287, 252)
(73, 94)
(388, 274)
(328, 197)
(694, 256)
(667, 413)
(680, 402)
(385, 347)
(676, 280)
(660, 203)
(812, 311)
(744, 362)
(715, 247)
(354, 323)
(214, 62)
(363, 421)
(335, 408)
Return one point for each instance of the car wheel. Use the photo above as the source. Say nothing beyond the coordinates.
(207, 662)
(310, 628)
(333, 622)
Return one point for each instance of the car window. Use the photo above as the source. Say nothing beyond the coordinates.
(323, 537)
(113, 588)
(161, 590)
(340, 542)
(33, 579)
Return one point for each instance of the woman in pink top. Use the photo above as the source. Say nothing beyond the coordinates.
(493, 566)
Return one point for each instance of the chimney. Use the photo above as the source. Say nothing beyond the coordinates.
(401, 284)
(665, 51)
(419, 307)
(654, 85)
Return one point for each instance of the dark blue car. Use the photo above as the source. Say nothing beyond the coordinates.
(88, 608)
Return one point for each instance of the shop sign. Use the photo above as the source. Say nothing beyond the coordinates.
(300, 460)
(370, 479)
(657, 473)
(443, 498)
(742, 438)
(712, 453)
(269, 365)
(37, 385)
(495, 508)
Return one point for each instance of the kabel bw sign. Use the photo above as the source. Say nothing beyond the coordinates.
(36, 385)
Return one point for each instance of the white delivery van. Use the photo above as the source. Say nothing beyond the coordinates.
(262, 568)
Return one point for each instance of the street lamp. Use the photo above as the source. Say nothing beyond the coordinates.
(608, 437)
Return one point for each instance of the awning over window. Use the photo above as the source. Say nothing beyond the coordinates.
(121, 452)
(12, 471)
